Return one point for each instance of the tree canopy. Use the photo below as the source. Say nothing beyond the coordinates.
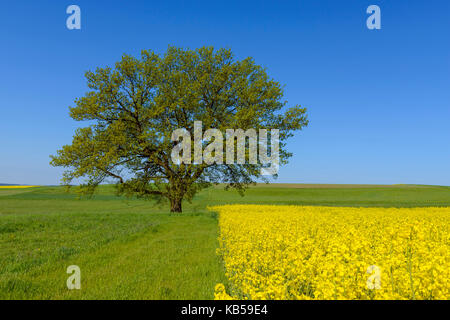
(133, 109)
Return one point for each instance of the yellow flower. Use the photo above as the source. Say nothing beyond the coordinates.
(16, 187)
(293, 252)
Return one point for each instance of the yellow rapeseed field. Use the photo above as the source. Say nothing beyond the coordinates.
(294, 252)
(16, 187)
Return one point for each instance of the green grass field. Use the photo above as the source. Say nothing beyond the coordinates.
(132, 249)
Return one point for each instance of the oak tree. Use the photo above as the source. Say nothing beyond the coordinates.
(132, 110)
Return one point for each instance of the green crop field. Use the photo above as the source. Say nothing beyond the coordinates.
(134, 249)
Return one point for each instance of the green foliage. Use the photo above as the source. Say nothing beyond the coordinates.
(135, 107)
(126, 251)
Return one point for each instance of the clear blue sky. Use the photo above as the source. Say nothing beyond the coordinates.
(378, 101)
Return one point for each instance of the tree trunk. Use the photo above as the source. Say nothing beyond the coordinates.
(175, 205)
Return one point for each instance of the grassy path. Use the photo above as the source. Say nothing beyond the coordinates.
(170, 258)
